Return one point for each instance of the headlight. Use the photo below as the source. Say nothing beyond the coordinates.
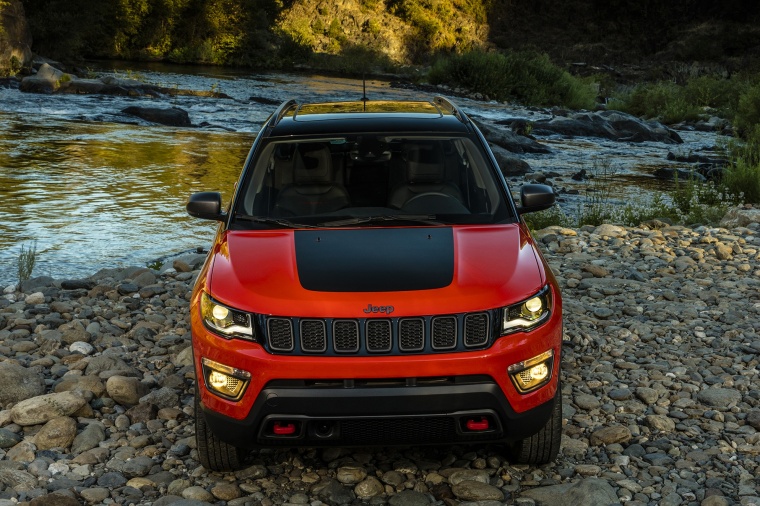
(527, 314)
(225, 320)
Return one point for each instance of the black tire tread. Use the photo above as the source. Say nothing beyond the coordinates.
(214, 454)
(543, 446)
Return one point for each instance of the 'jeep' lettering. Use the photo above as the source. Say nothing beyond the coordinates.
(378, 309)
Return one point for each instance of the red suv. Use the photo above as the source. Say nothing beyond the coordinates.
(372, 282)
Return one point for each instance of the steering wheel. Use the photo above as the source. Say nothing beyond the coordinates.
(434, 203)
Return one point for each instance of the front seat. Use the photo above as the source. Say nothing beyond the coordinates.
(425, 173)
(314, 189)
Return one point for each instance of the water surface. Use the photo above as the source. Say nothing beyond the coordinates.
(94, 188)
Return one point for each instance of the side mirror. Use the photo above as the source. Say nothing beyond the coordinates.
(535, 197)
(206, 205)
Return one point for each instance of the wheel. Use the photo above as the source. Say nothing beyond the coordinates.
(214, 454)
(543, 446)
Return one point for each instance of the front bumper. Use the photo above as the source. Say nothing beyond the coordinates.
(459, 410)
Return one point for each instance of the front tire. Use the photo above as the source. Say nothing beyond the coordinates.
(543, 446)
(214, 454)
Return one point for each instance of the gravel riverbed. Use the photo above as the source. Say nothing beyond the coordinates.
(660, 381)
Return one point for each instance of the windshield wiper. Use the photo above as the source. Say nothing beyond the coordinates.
(271, 221)
(427, 219)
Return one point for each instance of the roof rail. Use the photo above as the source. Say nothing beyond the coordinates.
(449, 106)
(280, 112)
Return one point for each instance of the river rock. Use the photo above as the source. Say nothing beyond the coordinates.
(409, 498)
(610, 435)
(164, 397)
(44, 408)
(506, 139)
(8, 439)
(721, 398)
(90, 437)
(740, 217)
(126, 390)
(19, 383)
(369, 487)
(469, 475)
(589, 492)
(351, 475)
(660, 423)
(509, 164)
(614, 125)
(17, 480)
(54, 499)
(172, 116)
(47, 80)
(476, 491)
(57, 433)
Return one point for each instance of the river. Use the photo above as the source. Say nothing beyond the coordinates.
(91, 188)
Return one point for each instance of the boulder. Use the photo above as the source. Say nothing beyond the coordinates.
(19, 383)
(740, 217)
(43, 408)
(48, 79)
(613, 125)
(509, 140)
(15, 36)
(672, 174)
(509, 164)
(172, 116)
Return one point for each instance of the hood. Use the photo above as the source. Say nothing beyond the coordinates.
(343, 272)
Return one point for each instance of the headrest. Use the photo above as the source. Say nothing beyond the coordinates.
(424, 162)
(312, 164)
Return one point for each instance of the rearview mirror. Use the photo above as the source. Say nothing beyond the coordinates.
(206, 205)
(535, 197)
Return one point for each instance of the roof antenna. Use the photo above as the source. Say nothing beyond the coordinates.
(364, 91)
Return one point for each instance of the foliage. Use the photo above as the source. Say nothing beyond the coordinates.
(748, 111)
(672, 103)
(691, 202)
(528, 77)
(26, 260)
(353, 59)
(200, 31)
(664, 100)
(742, 176)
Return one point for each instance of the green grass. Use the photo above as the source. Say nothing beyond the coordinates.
(26, 260)
(742, 175)
(523, 76)
(747, 116)
(671, 103)
(691, 202)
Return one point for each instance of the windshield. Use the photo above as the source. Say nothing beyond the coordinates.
(367, 180)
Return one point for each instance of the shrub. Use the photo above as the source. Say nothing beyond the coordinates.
(741, 177)
(748, 111)
(528, 77)
(26, 260)
(672, 103)
(665, 101)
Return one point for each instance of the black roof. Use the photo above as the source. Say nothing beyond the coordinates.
(436, 116)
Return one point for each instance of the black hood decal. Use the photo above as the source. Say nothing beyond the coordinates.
(375, 259)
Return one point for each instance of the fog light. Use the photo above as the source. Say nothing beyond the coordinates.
(224, 380)
(532, 373)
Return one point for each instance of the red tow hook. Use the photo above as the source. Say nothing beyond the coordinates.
(284, 428)
(478, 425)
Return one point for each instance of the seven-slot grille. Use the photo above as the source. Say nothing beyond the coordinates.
(431, 334)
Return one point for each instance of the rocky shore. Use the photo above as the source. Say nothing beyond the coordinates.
(660, 381)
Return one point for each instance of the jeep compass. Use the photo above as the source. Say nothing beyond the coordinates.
(372, 283)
